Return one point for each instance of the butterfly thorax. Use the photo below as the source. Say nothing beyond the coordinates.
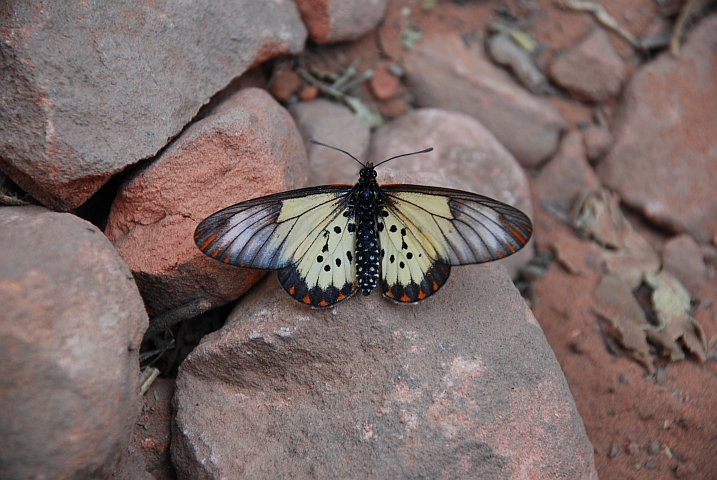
(367, 203)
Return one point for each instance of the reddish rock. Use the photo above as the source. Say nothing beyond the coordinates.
(664, 162)
(248, 148)
(333, 124)
(465, 156)
(148, 454)
(598, 141)
(567, 176)
(443, 73)
(682, 257)
(383, 84)
(591, 70)
(88, 91)
(286, 82)
(308, 93)
(331, 21)
(462, 385)
(71, 325)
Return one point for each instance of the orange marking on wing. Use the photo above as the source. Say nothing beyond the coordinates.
(306, 299)
(215, 253)
(405, 298)
(516, 234)
(227, 260)
(355, 286)
(197, 235)
(208, 241)
(421, 294)
(499, 254)
(323, 302)
(435, 286)
(512, 248)
(241, 264)
(292, 290)
(389, 293)
(340, 297)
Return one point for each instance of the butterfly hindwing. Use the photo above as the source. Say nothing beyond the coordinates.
(302, 233)
(427, 229)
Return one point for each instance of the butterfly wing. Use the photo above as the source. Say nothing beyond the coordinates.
(424, 230)
(304, 234)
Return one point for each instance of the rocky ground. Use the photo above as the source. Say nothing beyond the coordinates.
(579, 116)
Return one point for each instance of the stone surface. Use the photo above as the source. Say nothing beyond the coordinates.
(567, 176)
(383, 83)
(462, 385)
(70, 329)
(664, 162)
(331, 21)
(148, 454)
(90, 89)
(598, 141)
(591, 70)
(466, 156)
(333, 124)
(683, 258)
(249, 147)
(443, 73)
(504, 51)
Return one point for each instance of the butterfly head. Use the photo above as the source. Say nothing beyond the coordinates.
(368, 173)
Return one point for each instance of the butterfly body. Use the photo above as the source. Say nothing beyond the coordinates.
(327, 242)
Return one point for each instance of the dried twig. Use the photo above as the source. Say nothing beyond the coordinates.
(601, 16)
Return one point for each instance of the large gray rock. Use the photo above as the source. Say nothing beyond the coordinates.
(443, 73)
(664, 162)
(462, 385)
(465, 155)
(247, 148)
(89, 89)
(71, 324)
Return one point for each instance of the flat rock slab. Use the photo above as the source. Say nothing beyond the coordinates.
(664, 162)
(331, 21)
(89, 89)
(71, 323)
(461, 385)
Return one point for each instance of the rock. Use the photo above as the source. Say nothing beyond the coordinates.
(286, 82)
(148, 454)
(506, 52)
(466, 156)
(664, 162)
(71, 325)
(98, 89)
(443, 73)
(370, 389)
(383, 83)
(333, 124)
(598, 141)
(567, 176)
(682, 257)
(331, 21)
(591, 70)
(247, 148)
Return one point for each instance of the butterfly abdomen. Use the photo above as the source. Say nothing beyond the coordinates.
(367, 246)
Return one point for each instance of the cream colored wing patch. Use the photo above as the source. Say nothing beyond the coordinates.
(424, 230)
(308, 235)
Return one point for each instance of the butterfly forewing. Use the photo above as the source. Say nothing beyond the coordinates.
(302, 233)
(426, 229)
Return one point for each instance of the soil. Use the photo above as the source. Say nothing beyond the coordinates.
(642, 426)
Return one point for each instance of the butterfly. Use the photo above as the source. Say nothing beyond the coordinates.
(327, 242)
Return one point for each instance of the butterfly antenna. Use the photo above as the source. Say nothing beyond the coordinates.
(337, 149)
(404, 155)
